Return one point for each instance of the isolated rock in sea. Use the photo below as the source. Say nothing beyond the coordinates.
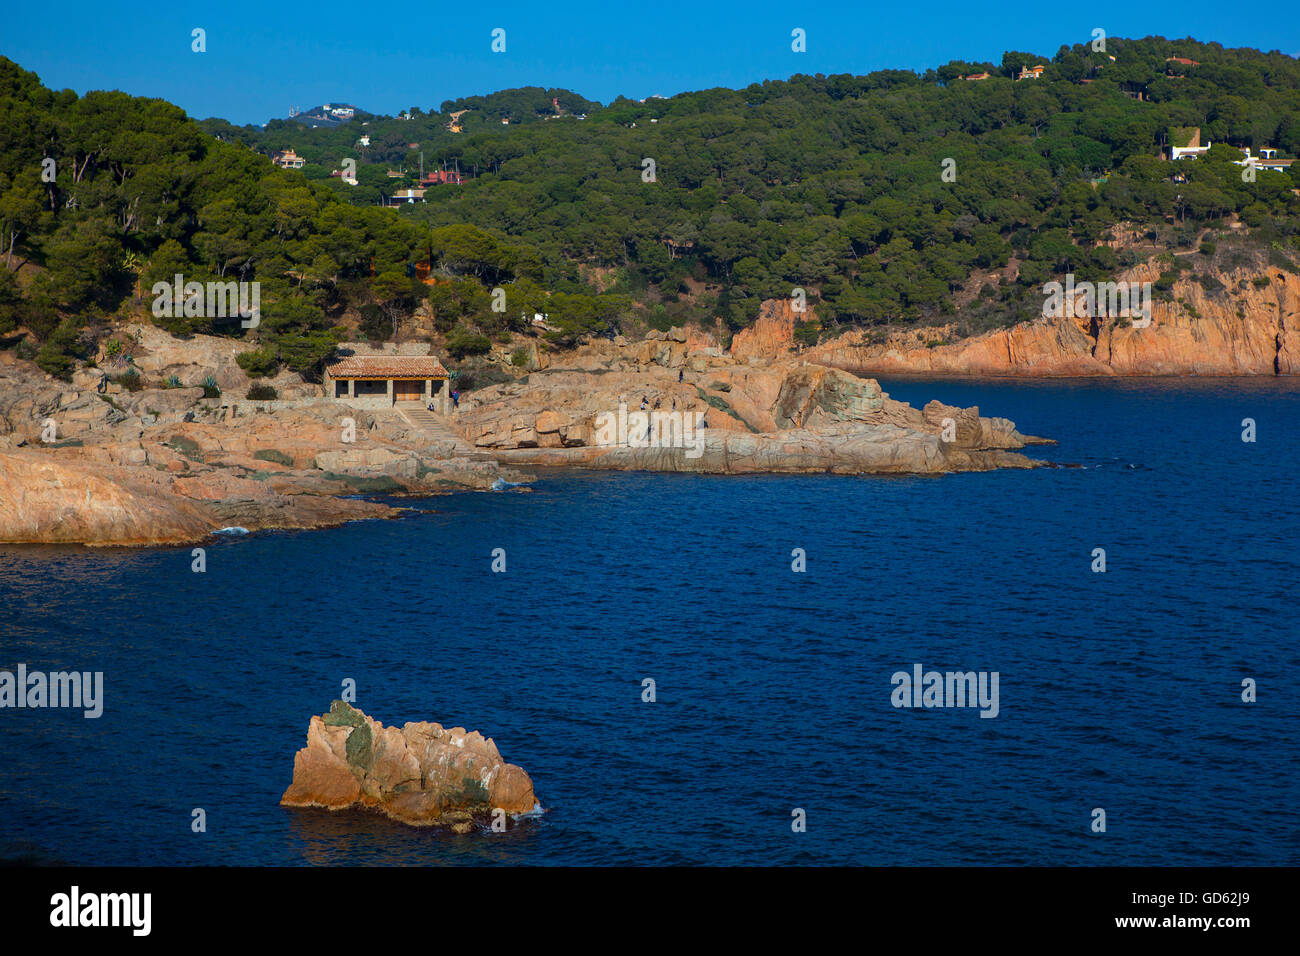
(422, 774)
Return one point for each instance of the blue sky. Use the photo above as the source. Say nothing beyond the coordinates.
(264, 57)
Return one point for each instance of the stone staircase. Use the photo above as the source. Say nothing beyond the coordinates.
(438, 428)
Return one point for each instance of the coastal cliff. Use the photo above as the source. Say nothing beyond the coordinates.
(422, 774)
(1250, 328)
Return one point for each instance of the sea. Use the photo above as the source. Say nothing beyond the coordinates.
(1145, 713)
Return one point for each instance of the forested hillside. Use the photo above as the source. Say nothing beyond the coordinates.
(834, 183)
(689, 208)
(102, 196)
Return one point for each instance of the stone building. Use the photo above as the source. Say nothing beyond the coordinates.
(378, 377)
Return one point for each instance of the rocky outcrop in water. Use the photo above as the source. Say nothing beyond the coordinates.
(422, 774)
(784, 417)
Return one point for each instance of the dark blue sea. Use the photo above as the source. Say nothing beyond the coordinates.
(1118, 690)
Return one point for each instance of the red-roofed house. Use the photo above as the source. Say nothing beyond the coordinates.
(369, 377)
(287, 159)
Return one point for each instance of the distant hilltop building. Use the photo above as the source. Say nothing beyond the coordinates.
(977, 76)
(1191, 140)
(442, 177)
(1267, 158)
(1031, 72)
(406, 196)
(329, 115)
(287, 159)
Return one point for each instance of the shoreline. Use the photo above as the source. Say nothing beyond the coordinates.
(1171, 377)
(163, 467)
(174, 482)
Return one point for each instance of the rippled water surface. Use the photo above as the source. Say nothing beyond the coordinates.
(1118, 690)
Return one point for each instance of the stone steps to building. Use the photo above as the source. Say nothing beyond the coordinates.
(438, 428)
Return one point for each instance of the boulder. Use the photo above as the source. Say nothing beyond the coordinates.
(422, 774)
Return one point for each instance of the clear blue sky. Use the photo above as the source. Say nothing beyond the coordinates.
(264, 57)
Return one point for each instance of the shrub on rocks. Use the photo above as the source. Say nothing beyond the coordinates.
(262, 393)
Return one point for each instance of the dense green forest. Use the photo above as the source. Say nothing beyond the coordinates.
(103, 195)
(835, 184)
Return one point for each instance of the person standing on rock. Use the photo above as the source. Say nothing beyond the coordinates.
(455, 398)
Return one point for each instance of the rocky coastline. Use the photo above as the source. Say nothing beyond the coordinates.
(92, 462)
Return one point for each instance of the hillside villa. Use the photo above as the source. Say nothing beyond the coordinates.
(287, 159)
(1267, 158)
(1192, 139)
(406, 196)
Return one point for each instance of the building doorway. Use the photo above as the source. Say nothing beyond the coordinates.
(408, 391)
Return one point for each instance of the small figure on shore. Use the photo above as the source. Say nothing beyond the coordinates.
(681, 372)
(455, 399)
(644, 403)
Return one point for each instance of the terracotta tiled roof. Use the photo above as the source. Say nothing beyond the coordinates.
(387, 366)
